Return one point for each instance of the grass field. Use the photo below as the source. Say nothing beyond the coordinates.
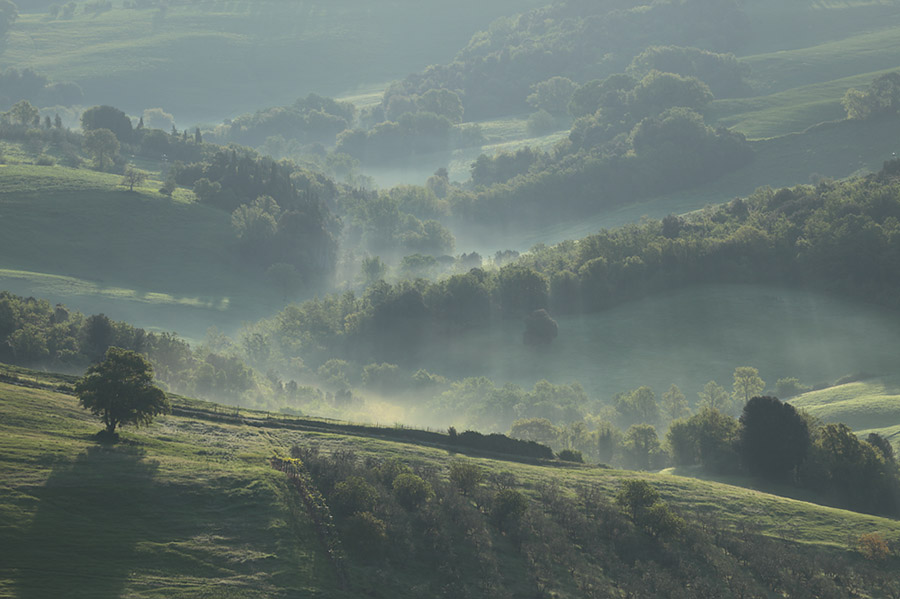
(190, 507)
(74, 236)
(688, 337)
(870, 405)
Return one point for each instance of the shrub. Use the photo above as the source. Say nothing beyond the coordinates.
(365, 534)
(465, 476)
(353, 496)
(508, 508)
(873, 547)
(571, 455)
(411, 491)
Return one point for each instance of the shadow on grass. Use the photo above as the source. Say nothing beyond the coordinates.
(89, 519)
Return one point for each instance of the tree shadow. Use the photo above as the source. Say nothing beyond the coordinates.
(89, 519)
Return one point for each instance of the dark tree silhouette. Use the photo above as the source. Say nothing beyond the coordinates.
(774, 437)
(120, 390)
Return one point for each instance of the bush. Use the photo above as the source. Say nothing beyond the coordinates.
(873, 547)
(789, 387)
(365, 534)
(508, 508)
(465, 476)
(353, 496)
(571, 455)
(45, 160)
(411, 491)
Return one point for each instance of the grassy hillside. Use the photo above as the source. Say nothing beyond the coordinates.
(251, 53)
(189, 510)
(75, 236)
(189, 507)
(870, 405)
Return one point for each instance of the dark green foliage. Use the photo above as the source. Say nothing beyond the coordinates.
(645, 508)
(709, 439)
(310, 119)
(571, 455)
(883, 445)
(496, 442)
(851, 472)
(103, 146)
(465, 476)
(411, 491)
(503, 166)
(508, 508)
(497, 69)
(412, 134)
(35, 333)
(722, 72)
(774, 438)
(881, 98)
(366, 534)
(642, 448)
(608, 160)
(637, 407)
(789, 387)
(521, 290)
(278, 210)
(635, 496)
(108, 117)
(120, 390)
(353, 496)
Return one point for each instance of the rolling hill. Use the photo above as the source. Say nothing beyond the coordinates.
(190, 507)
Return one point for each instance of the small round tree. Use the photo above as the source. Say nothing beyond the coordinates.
(120, 390)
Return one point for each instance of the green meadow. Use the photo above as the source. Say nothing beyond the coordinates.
(76, 236)
(866, 406)
(189, 507)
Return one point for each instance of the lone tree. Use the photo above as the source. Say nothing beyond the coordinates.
(133, 176)
(120, 390)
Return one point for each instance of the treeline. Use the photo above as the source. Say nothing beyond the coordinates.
(777, 443)
(35, 333)
(309, 120)
(493, 74)
(839, 237)
(600, 166)
(455, 529)
(26, 84)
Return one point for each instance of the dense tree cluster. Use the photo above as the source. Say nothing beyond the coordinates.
(494, 73)
(880, 98)
(412, 134)
(723, 73)
(308, 120)
(26, 84)
(35, 333)
(775, 442)
(651, 142)
(278, 210)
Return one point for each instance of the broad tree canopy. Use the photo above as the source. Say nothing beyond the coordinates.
(120, 390)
